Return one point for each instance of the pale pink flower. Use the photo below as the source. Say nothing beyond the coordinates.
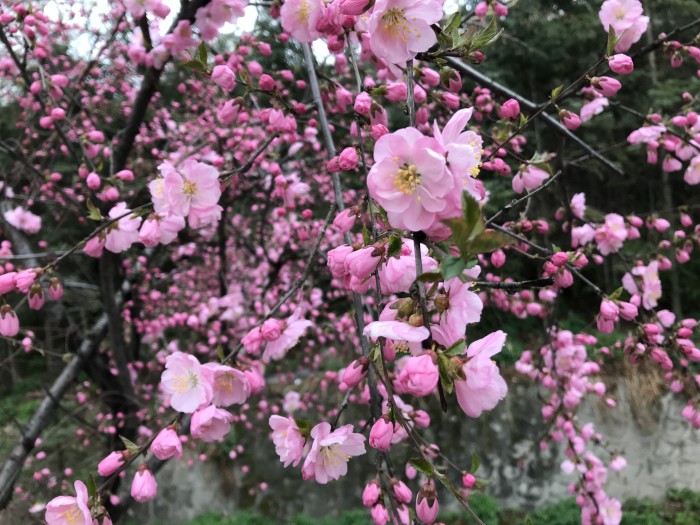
(398, 332)
(409, 179)
(124, 232)
(69, 510)
(462, 307)
(211, 424)
(648, 277)
(484, 387)
(399, 29)
(212, 17)
(627, 20)
(692, 173)
(593, 107)
(462, 151)
(289, 443)
(399, 273)
(188, 384)
(611, 512)
(192, 186)
(294, 328)
(578, 205)
(23, 220)
(138, 8)
(167, 444)
(230, 385)
(331, 451)
(418, 376)
(144, 487)
(529, 178)
(611, 235)
(300, 18)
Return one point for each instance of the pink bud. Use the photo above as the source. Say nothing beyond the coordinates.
(112, 463)
(93, 181)
(571, 120)
(621, 64)
(498, 258)
(224, 77)
(509, 110)
(144, 486)
(606, 86)
(381, 434)
(468, 480)
(371, 493)
(347, 160)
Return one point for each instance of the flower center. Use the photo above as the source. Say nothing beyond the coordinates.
(334, 455)
(185, 382)
(395, 25)
(189, 188)
(304, 11)
(73, 515)
(407, 179)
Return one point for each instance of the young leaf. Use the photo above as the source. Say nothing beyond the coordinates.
(457, 348)
(452, 266)
(488, 242)
(93, 213)
(91, 487)
(612, 41)
(475, 463)
(395, 245)
(202, 53)
(422, 465)
(130, 445)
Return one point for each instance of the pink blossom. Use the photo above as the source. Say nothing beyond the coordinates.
(144, 487)
(25, 279)
(399, 273)
(626, 19)
(331, 451)
(188, 384)
(459, 307)
(293, 330)
(192, 186)
(400, 29)
(409, 179)
(344, 222)
(301, 18)
(427, 504)
(621, 64)
(69, 510)
(529, 178)
(578, 205)
(124, 232)
(381, 434)
(9, 322)
(167, 444)
(418, 376)
(593, 107)
(380, 516)
(483, 387)
(570, 119)
(113, 462)
(692, 173)
(289, 443)
(611, 235)
(648, 278)
(224, 77)
(7, 283)
(510, 109)
(23, 220)
(371, 493)
(347, 160)
(398, 331)
(229, 384)
(211, 424)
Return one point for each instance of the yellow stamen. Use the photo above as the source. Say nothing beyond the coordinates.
(407, 179)
(395, 25)
(189, 188)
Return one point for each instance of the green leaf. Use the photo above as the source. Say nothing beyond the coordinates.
(375, 354)
(488, 36)
(365, 235)
(93, 213)
(202, 53)
(475, 463)
(130, 445)
(433, 276)
(422, 465)
(454, 22)
(555, 93)
(395, 245)
(488, 242)
(444, 371)
(451, 266)
(91, 487)
(616, 294)
(220, 353)
(196, 65)
(304, 427)
(612, 41)
(457, 348)
(472, 216)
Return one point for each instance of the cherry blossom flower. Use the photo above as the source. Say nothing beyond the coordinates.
(229, 384)
(69, 510)
(289, 335)
(211, 424)
(301, 17)
(124, 232)
(483, 387)
(187, 382)
(23, 220)
(330, 452)
(289, 443)
(409, 179)
(399, 29)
